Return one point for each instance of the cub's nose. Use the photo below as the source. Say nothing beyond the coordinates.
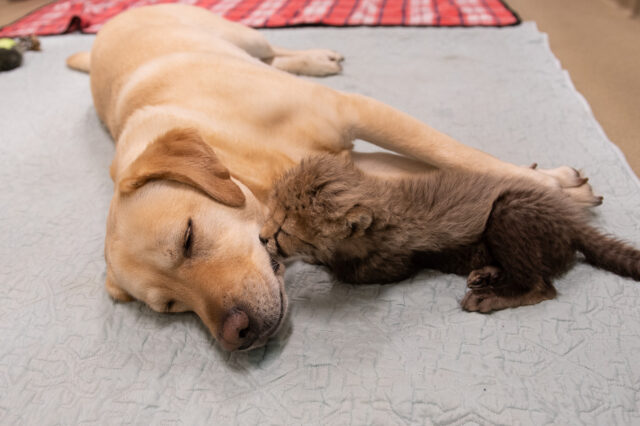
(270, 244)
(237, 332)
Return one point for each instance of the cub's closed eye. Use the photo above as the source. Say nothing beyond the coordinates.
(170, 304)
(188, 240)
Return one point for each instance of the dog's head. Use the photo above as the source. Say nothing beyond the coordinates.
(183, 236)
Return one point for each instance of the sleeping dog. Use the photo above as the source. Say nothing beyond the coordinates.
(206, 114)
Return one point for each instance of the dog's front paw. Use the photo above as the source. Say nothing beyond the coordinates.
(573, 183)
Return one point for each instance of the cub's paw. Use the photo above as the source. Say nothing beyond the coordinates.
(485, 301)
(483, 278)
(478, 301)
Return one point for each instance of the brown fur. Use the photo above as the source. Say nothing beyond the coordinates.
(181, 155)
(180, 236)
(509, 237)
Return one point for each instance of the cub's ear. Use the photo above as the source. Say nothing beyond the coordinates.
(181, 155)
(359, 219)
(115, 291)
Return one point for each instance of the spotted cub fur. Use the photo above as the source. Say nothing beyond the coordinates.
(508, 236)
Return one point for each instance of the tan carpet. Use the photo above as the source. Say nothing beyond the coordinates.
(599, 44)
(10, 10)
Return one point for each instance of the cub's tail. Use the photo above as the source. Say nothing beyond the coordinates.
(608, 253)
(79, 61)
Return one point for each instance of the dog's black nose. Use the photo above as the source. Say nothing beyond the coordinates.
(263, 240)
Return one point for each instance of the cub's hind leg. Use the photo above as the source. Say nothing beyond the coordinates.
(484, 278)
(488, 299)
(528, 239)
(491, 289)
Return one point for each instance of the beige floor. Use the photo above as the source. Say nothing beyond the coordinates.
(596, 40)
(10, 10)
(599, 44)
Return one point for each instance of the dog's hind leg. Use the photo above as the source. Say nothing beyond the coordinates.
(312, 62)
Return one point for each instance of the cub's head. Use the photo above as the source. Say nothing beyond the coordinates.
(314, 208)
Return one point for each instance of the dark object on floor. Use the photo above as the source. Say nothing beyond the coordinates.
(88, 16)
(510, 236)
(11, 51)
(9, 59)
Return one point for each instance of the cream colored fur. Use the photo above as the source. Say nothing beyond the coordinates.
(173, 67)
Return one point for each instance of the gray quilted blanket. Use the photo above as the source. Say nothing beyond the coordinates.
(395, 354)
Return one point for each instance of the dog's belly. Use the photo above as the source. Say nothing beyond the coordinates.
(389, 165)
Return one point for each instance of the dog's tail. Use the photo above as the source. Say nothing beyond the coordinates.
(608, 253)
(80, 61)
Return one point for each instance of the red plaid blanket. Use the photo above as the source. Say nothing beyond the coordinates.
(88, 16)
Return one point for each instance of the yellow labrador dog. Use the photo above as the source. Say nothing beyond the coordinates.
(204, 120)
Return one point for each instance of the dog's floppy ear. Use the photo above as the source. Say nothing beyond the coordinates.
(182, 156)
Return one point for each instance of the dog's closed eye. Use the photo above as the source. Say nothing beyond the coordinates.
(188, 240)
